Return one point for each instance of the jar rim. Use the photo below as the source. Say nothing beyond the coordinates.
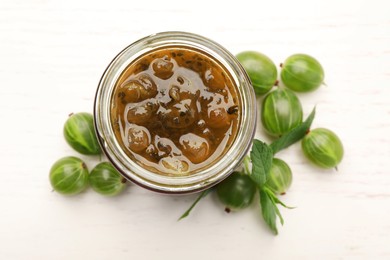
(206, 177)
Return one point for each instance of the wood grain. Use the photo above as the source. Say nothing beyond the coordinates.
(51, 58)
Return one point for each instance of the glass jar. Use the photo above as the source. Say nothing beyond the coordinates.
(206, 177)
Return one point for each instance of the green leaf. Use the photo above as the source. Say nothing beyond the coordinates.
(278, 201)
(277, 211)
(294, 135)
(275, 198)
(261, 156)
(268, 210)
(201, 196)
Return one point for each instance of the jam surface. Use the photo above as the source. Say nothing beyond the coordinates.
(175, 110)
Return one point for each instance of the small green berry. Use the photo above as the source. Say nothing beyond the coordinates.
(106, 180)
(261, 70)
(302, 73)
(236, 191)
(280, 177)
(69, 175)
(323, 147)
(281, 111)
(79, 132)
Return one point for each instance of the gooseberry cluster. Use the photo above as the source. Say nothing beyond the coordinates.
(281, 117)
(69, 175)
(281, 109)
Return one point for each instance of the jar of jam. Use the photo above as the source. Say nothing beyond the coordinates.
(175, 112)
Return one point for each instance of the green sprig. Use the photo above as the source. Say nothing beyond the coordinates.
(293, 135)
(261, 156)
(201, 196)
(269, 211)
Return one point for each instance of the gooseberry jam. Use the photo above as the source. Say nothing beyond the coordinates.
(175, 110)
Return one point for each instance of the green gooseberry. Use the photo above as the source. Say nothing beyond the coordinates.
(323, 147)
(69, 175)
(236, 191)
(302, 73)
(79, 132)
(106, 180)
(281, 111)
(261, 70)
(280, 177)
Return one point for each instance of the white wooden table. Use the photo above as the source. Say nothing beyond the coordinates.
(51, 58)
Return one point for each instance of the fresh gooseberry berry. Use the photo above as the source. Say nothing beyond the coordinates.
(261, 70)
(302, 73)
(69, 175)
(281, 112)
(323, 147)
(236, 191)
(280, 176)
(106, 180)
(79, 132)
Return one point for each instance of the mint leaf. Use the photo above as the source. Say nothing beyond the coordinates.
(201, 196)
(269, 208)
(261, 156)
(268, 211)
(275, 199)
(272, 197)
(294, 135)
(278, 201)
